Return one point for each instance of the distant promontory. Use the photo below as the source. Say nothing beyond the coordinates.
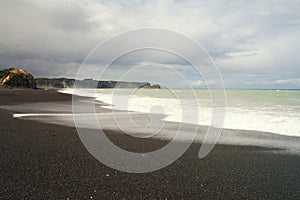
(18, 78)
(89, 83)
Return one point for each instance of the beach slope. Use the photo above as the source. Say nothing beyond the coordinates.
(46, 161)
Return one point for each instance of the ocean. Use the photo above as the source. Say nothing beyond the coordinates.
(274, 111)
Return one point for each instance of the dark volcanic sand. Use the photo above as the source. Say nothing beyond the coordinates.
(45, 161)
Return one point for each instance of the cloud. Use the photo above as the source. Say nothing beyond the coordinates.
(288, 81)
(252, 40)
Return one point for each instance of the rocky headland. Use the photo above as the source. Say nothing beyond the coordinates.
(18, 78)
(89, 83)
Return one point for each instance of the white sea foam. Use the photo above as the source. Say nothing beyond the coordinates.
(268, 111)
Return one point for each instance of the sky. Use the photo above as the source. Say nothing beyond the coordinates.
(254, 44)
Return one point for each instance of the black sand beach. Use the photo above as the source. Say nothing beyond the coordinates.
(45, 161)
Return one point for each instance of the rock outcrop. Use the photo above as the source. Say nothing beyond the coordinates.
(147, 85)
(155, 86)
(16, 78)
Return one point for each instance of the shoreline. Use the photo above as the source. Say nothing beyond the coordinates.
(276, 116)
(44, 112)
(49, 161)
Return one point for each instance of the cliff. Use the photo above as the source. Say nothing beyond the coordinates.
(12, 78)
(16, 78)
(89, 83)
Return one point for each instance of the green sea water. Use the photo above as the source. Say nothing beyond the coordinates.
(275, 111)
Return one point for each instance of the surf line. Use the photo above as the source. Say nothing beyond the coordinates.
(20, 115)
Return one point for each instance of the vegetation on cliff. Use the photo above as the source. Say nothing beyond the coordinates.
(16, 78)
(89, 83)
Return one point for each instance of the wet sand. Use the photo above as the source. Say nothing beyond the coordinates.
(40, 160)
